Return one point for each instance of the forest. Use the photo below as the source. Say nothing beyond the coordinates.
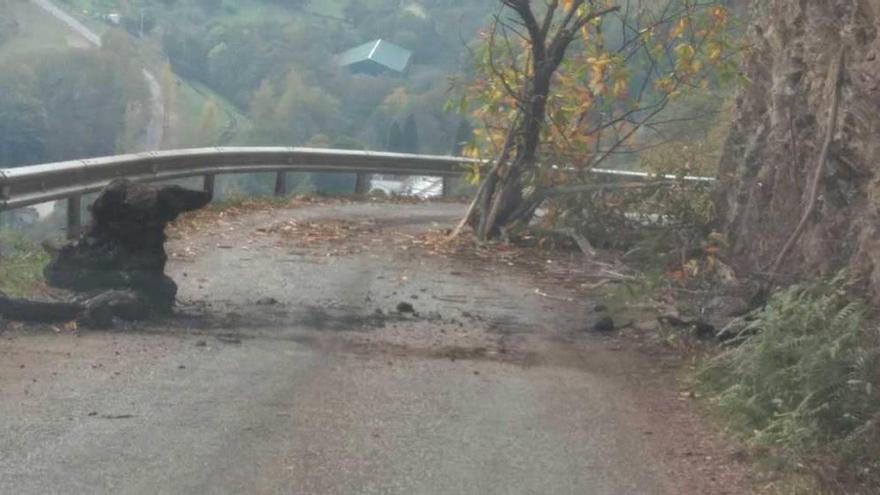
(267, 66)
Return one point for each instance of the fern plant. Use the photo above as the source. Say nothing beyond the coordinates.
(805, 380)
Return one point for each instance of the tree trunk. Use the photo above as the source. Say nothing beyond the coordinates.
(124, 246)
(503, 200)
(501, 203)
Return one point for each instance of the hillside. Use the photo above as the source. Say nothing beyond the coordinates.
(271, 63)
(63, 98)
(253, 72)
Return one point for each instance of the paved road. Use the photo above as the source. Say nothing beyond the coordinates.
(152, 139)
(92, 37)
(491, 389)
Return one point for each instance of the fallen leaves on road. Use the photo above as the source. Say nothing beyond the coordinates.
(339, 237)
(565, 266)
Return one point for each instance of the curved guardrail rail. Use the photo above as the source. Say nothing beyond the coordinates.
(30, 185)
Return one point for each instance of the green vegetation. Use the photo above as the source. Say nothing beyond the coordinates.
(95, 89)
(239, 73)
(578, 84)
(61, 99)
(249, 72)
(21, 264)
(256, 53)
(803, 380)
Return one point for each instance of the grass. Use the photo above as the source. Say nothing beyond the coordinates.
(21, 264)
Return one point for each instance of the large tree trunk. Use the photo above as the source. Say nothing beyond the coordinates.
(784, 119)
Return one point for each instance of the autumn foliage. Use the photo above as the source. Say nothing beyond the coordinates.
(563, 88)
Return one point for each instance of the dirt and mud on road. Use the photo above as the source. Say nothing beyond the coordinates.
(333, 349)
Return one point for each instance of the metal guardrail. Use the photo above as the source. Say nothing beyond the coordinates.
(30, 185)
(35, 184)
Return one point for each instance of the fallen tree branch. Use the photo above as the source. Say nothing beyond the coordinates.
(531, 205)
(38, 312)
(569, 190)
(812, 201)
(582, 242)
(98, 311)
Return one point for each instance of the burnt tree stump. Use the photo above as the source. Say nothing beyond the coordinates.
(123, 248)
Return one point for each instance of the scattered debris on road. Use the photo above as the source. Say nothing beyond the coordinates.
(406, 308)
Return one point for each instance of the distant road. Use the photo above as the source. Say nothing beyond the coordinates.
(91, 36)
(155, 127)
(153, 136)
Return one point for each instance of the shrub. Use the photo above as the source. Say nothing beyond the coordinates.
(805, 381)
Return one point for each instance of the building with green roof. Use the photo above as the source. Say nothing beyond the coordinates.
(376, 58)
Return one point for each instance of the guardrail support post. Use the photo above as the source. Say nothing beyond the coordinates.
(281, 184)
(208, 185)
(362, 184)
(74, 216)
(447, 187)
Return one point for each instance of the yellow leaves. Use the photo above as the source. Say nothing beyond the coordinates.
(474, 173)
(715, 52)
(687, 65)
(720, 14)
(599, 66)
(620, 76)
(593, 85)
(665, 85)
(600, 63)
(679, 29)
(585, 34)
(620, 88)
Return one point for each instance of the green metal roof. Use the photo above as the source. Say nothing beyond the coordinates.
(381, 52)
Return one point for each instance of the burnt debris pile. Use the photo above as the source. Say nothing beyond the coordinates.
(117, 265)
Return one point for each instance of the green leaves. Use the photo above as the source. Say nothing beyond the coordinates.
(804, 380)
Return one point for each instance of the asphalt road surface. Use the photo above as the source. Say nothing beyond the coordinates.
(289, 371)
